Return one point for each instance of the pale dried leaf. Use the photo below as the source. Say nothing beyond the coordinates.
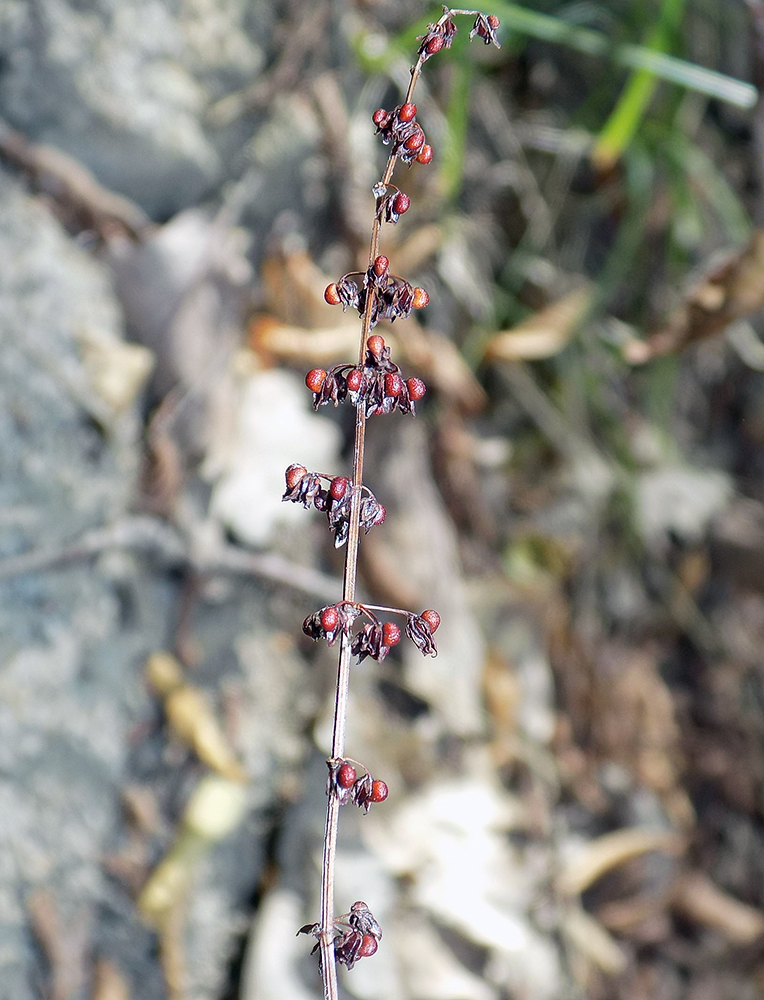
(600, 855)
(544, 334)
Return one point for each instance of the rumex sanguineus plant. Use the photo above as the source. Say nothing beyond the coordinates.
(375, 386)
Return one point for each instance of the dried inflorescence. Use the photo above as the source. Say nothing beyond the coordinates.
(375, 638)
(375, 386)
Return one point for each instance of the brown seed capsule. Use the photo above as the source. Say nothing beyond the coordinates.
(354, 379)
(401, 203)
(378, 791)
(420, 298)
(407, 112)
(432, 618)
(391, 634)
(369, 945)
(315, 379)
(414, 142)
(380, 117)
(332, 295)
(393, 384)
(493, 21)
(346, 775)
(425, 154)
(416, 388)
(376, 345)
(294, 474)
(381, 265)
(338, 487)
(434, 45)
(329, 618)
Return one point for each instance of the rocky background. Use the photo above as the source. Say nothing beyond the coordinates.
(577, 781)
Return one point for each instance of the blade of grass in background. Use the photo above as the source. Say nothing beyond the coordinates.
(622, 125)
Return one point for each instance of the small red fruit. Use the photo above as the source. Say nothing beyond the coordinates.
(434, 45)
(332, 295)
(393, 384)
(338, 487)
(329, 618)
(432, 618)
(420, 299)
(378, 791)
(315, 379)
(425, 154)
(407, 112)
(354, 379)
(381, 265)
(416, 388)
(369, 945)
(414, 142)
(294, 474)
(493, 21)
(380, 117)
(376, 345)
(346, 775)
(401, 203)
(391, 634)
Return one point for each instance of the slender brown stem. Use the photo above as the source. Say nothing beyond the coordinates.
(327, 924)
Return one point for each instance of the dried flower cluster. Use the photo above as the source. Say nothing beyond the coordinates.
(374, 386)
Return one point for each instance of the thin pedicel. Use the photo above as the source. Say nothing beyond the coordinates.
(375, 386)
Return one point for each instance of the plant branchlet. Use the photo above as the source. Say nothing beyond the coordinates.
(374, 386)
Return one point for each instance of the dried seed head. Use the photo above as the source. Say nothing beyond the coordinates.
(420, 299)
(346, 775)
(380, 117)
(376, 346)
(435, 44)
(381, 265)
(432, 618)
(332, 295)
(315, 379)
(407, 112)
(391, 634)
(416, 388)
(493, 21)
(401, 203)
(425, 154)
(378, 791)
(294, 474)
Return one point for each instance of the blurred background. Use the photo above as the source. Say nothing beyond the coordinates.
(576, 802)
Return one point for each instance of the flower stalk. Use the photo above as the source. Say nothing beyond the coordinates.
(375, 387)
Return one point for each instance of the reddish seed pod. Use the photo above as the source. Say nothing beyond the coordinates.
(434, 45)
(346, 775)
(401, 203)
(391, 634)
(332, 295)
(393, 384)
(354, 379)
(407, 112)
(294, 474)
(378, 791)
(425, 154)
(493, 21)
(420, 298)
(329, 618)
(432, 618)
(315, 379)
(381, 515)
(338, 487)
(414, 142)
(381, 265)
(416, 388)
(380, 117)
(369, 945)
(376, 345)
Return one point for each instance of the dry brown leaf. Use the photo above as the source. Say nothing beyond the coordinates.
(109, 983)
(543, 334)
(593, 941)
(697, 898)
(191, 717)
(610, 850)
(731, 291)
